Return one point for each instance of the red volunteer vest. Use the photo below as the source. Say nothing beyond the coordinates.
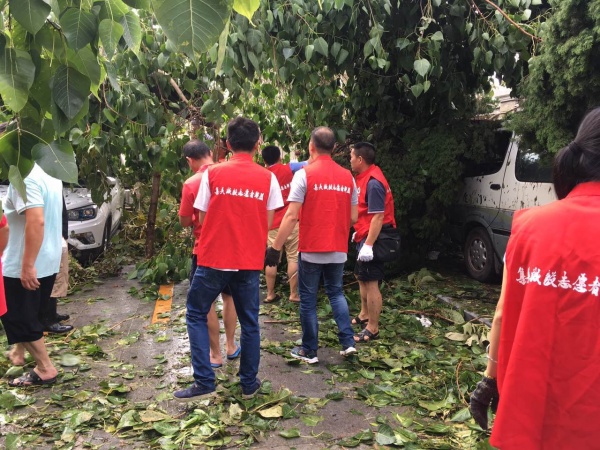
(234, 233)
(284, 175)
(325, 218)
(364, 218)
(549, 352)
(193, 185)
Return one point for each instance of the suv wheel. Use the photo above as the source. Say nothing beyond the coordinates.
(479, 255)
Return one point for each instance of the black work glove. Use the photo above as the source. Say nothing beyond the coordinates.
(272, 257)
(483, 397)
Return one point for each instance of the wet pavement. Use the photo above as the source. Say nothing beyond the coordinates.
(153, 360)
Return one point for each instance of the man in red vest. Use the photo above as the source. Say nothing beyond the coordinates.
(236, 199)
(284, 172)
(375, 211)
(199, 157)
(326, 193)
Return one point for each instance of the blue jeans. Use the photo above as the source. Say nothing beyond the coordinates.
(206, 286)
(309, 276)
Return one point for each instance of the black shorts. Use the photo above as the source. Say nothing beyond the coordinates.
(368, 271)
(21, 322)
(226, 289)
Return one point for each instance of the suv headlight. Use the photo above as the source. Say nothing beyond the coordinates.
(87, 213)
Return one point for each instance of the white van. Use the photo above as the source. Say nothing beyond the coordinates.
(510, 179)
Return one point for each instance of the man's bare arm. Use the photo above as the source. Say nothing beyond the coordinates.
(34, 235)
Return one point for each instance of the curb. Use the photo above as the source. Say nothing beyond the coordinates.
(468, 315)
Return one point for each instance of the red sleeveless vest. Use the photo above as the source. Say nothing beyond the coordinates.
(284, 175)
(364, 218)
(235, 228)
(549, 352)
(325, 218)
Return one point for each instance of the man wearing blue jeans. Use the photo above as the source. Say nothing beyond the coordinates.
(327, 196)
(237, 188)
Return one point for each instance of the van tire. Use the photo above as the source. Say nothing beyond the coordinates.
(479, 255)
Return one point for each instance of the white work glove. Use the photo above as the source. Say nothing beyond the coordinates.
(366, 253)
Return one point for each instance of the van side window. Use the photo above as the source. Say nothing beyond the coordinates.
(494, 156)
(534, 167)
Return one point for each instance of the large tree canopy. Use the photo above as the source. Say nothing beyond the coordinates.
(562, 84)
(57, 55)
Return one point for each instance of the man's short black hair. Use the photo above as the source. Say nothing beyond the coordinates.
(242, 134)
(323, 139)
(366, 151)
(271, 154)
(196, 149)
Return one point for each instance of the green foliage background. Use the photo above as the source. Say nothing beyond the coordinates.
(563, 83)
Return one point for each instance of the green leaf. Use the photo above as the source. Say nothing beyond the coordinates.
(138, 4)
(67, 359)
(246, 8)
(272, 412)
(311, 420)
(31, 14)
(16, 179)
(17, 73)
(426, 86)
(132, 31)
(80, 417)
(128, 419)
(417, 89)
(288, 52)
(79, 27)
(222, 47)
(58, 160)
(342, 56)
(321, 46)
(86, 62)
(437, 36)
(192, 25)
(110, 32)
(422, 67)
(461, 416)
(385, 435)
(453, 336)
(70, 89)
(308, 51)
(165, 428)
(290, 434)
(151, 415)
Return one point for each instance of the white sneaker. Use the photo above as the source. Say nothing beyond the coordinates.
(347, 352)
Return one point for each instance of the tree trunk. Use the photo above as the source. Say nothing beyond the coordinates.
(151, 223)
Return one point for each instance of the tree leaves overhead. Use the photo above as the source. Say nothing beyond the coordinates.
(17, 73)
(57, 159)
(246, 8)
(132, 31)
(31, 14)
(193, 25)
(70, 89)
(110, 32)
(79, 27)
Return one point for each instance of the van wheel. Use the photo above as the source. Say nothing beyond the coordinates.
(479, 255)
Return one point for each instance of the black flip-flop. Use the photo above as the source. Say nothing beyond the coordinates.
(31, 378)
(358, 321)
(366, 336)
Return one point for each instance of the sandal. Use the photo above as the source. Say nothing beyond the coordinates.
(235, 354)
(31, 379)
(356, 320)
(274, 299)
(366, 336)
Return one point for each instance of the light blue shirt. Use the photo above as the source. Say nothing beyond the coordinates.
(43, 191)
